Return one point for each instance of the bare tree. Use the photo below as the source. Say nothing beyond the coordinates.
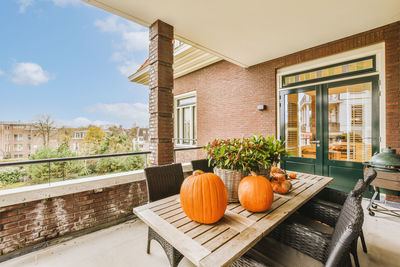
(44, 126)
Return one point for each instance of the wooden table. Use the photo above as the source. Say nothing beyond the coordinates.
(222, 243)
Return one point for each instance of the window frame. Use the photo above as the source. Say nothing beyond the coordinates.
(178, 120)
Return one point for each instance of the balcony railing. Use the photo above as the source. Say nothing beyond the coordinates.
(56, 169)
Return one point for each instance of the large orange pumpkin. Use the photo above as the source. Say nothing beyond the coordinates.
(255, 193)
(204, 197)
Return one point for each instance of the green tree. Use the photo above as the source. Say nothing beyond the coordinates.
(93, 139)
(40, 172)
(114, 143)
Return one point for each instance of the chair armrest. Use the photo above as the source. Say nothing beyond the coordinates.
(323, 211)
(303, 238)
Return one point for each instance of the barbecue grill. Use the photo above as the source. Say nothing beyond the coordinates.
(387, 166)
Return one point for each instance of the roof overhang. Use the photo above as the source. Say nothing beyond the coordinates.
(250, 32)
(186, 59)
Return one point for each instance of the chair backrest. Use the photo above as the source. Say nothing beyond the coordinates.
(362, 185)
(347, 229)
(163, 181)
(202, 164)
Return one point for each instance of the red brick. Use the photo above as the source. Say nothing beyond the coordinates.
(11, 231)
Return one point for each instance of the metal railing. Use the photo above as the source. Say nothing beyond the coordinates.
(91, 157)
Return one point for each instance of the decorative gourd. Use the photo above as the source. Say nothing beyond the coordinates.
(281, 187)
(275, 169)
(255, 193)
(292, 175)
(278, 176)
(204, 197)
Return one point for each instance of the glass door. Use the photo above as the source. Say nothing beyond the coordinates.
(330, 129)
(351, 120)
(300, 119)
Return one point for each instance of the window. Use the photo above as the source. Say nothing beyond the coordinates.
(185, 119)
(79, 134)
(18, 147)
(18, 137)
(29, 137)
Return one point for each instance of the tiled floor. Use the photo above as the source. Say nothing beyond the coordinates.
(125, 245)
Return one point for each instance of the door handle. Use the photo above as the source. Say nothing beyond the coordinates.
(315, 142)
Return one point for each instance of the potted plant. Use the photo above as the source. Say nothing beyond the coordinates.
(235, 158)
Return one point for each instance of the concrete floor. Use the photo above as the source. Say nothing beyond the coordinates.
(125, 245)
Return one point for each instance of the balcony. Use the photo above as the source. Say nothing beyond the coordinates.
(233, 57)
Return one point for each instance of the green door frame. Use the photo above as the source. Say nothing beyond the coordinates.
(322, 164)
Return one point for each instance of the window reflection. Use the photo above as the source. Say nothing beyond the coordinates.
(350, 133)
(300, 128)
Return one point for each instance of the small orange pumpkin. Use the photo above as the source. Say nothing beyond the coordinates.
(255, 193)
(292, 175)
(204, 197)
(281, 187)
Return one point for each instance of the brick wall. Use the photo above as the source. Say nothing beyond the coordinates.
(30, 223)
(189, 155)
(228, 95)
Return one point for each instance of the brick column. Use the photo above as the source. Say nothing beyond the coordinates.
(161, 98)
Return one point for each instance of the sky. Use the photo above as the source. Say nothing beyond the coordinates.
(70, 60)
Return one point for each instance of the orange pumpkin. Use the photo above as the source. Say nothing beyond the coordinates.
(292, 175)
(204, 197)
(281, 187)
(255, 193)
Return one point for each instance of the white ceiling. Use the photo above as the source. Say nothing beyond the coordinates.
(254, 31)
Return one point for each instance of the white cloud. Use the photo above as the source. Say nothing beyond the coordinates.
(23, 5)
(29, 73)
(82, 122)
(64, 3)
(127, 67)
(130, 38)
(1, 72)
(135, 41)
(126, 113)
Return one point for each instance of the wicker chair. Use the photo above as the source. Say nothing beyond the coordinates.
(202, 164)
(164, 181)
(327, 205)
(329, 249)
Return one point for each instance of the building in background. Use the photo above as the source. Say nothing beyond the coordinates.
(141, 141)
(18, 140)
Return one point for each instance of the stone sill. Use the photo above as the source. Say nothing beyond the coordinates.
(19, 195)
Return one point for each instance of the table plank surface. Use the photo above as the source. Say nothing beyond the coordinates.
(221, 243)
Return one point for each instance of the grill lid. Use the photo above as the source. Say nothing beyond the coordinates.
(387, 160)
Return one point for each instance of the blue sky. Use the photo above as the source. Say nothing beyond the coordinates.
(70, 60)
